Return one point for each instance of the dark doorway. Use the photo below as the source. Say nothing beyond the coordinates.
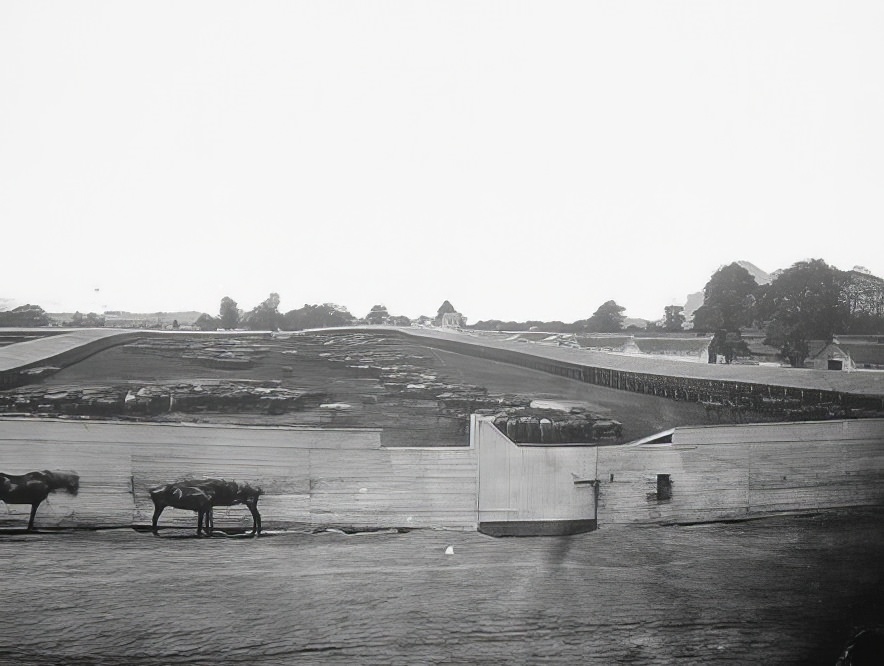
(835, 364)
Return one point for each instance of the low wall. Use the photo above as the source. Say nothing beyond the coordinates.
(312, 477)
(731, 472)
(57, 350)
(324, 477)
(714, 473)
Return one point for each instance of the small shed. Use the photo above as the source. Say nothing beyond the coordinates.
(828, 356)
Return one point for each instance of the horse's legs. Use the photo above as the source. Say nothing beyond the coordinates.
(210, 521)
(199, 521)
(256, 519)
(158, 509)
(33, 513)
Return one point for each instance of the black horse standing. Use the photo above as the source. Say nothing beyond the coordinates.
(183, 495)
(204, 494)
(34, 487)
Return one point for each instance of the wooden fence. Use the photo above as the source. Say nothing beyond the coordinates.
(327, 477)
(312, 477)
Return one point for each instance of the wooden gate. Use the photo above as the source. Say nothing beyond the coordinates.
(532, 489)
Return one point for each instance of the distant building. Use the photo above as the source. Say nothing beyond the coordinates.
(608, 343)
(827, 356)
(681, 347)
(866, 351)
(453, 320)
(754, 339)
(694, 349)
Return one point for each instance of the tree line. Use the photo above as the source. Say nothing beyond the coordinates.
(267, 317)
(808, 301)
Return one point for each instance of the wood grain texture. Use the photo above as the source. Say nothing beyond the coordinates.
(317, 477)
(311, 477)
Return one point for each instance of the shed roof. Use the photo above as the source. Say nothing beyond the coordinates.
(672, 345)
(864, 353)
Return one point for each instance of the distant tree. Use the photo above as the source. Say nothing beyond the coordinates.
(206, 322)
(727, 344)
(607, 319)
(25, 316)
(93, 320)
(729, 300)
(229, 314)
(77, 319)
(400, 320)
(316, 316)
(861, 297)
(378, 315)
(673, 318)
(803, 304)
(175, 324)
(264, 317)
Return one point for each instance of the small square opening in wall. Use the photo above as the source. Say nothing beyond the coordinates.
(664, 487)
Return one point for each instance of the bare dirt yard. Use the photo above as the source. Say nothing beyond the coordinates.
(785, 590)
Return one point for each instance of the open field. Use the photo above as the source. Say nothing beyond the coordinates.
(782, 591)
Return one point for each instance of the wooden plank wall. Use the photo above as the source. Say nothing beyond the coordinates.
(722, 472)
(339, 477)
(105, 496)
(311, 477)
(531, 483)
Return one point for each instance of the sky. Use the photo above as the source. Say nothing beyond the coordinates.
(524, 160)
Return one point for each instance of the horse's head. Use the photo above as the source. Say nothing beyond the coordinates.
(67, 481)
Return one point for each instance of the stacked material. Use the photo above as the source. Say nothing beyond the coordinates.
(227, 354)
(548, 426)
(159, 398)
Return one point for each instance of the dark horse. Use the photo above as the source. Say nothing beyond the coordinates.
(32, 488)
(183, 495)
(204, 494)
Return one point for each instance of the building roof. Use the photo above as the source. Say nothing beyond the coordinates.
(603, 341)
(863, 353)
(816, 347)
(672, 345)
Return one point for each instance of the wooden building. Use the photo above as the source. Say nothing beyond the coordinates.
(828, 356)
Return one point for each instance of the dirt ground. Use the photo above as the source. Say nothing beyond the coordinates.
(407, 420)
(781, 591)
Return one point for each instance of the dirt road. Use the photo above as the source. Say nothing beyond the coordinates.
(783, 590)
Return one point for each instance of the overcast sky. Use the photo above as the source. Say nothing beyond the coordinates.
(521, 159)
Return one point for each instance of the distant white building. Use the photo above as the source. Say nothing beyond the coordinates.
(828, 356)
(453, 320)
